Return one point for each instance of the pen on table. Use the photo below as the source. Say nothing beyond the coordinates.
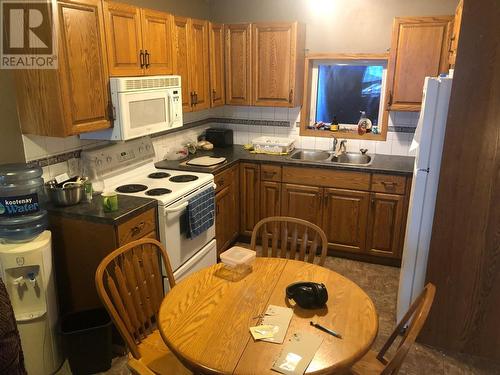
(327, 330)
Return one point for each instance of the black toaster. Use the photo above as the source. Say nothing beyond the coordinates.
(219, 137)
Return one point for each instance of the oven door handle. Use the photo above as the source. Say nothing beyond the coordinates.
(176, 209)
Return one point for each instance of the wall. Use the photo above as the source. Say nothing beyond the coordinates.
(11, 144)
(339, 26)
(334, 25)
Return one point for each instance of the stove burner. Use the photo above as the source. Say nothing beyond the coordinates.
(158, 191)
(131, 188)
(183, 178)
(159, 175)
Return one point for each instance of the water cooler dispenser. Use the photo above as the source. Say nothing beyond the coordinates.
(26, 269)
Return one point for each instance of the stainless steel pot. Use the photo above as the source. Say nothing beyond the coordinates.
(68, 195)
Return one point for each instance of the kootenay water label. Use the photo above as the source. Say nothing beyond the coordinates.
(19, 205)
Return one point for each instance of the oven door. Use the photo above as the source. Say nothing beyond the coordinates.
(173, 230)
(144, 113)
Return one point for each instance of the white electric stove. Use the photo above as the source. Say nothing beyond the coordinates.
(128, 168)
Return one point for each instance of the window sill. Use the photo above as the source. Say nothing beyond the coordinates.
(346, 134)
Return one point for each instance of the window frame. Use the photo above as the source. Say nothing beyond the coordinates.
(313, 60)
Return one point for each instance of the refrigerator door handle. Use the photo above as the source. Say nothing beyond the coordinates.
(423, 170)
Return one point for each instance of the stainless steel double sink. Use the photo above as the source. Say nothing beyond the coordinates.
(351, 158)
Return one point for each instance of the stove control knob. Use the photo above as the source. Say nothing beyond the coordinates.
(141, 149)
(109, 159)
(148, 147)
(98, 162)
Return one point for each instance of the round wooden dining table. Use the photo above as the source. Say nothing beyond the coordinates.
(205, 318)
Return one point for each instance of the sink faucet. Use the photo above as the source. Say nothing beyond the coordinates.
(343, 147)
(334, 148)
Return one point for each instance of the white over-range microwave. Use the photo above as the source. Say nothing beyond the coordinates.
(142, 106)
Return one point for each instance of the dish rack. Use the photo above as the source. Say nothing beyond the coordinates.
(273, 145)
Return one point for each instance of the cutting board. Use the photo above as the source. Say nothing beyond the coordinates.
(206, 161)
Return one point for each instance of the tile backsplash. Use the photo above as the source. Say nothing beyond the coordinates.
(259, 121)
(397, 143)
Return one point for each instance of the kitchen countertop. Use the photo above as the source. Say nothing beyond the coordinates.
(128, 207)
(390, 164)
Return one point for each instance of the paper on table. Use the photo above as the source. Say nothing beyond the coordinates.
(262, 332)
(298, 353)
(279, 317)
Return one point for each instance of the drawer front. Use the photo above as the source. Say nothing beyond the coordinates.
(138, 227)
(385, 183)
(225, 178)
(327, 178)
(270, 172)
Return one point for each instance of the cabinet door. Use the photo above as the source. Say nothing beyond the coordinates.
(222, 218)
(457, 21)
(249, 196)
(303, 202)
(156, 41)
(419, 49)
(385, 222)
(180, 41)
(238, 63)
(82, 66)
(345, 218)
(270, 199)
(217, 89)
(274, 50)
(200, 64)
(124, 39)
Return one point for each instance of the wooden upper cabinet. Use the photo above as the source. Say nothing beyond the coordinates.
(74, 98)
(455, 35)
(156, 38)
(138, 40)
(238, 63)
(345, 219)
(124, 39)
(303, 202)
(199, 62)
(180, 41)
(419, 49)
(278, 60)
(385, 221)
(216, 49)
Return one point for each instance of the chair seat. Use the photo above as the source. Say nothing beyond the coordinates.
(368, 365)
(156, 358)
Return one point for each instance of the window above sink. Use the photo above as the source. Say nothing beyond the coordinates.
(342, 85)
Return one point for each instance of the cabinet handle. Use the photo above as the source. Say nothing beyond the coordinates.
(195, 97)
(192, 98)
(138, 228)
(290, 96)
(269, 173)
(146, 59)
(389, 103)
(141, 58)
(213, 94)
(389, 184)
(221, 182)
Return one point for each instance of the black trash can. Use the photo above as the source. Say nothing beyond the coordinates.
(87, 341)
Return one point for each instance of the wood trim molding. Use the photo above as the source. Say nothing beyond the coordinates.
(306, 103)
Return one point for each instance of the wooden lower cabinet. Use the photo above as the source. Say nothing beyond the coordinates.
(345, 218)
(249, 197)
(385, 221)
(81, 243)
(270, 199)
(303, 202)
(227, 215)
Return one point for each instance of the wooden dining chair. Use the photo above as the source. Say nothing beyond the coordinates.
(129, 283)
(289, 237)
(377, 363)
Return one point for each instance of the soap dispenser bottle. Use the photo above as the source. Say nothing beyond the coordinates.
(364, 124)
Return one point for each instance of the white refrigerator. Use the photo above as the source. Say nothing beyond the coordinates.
(428, 142)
